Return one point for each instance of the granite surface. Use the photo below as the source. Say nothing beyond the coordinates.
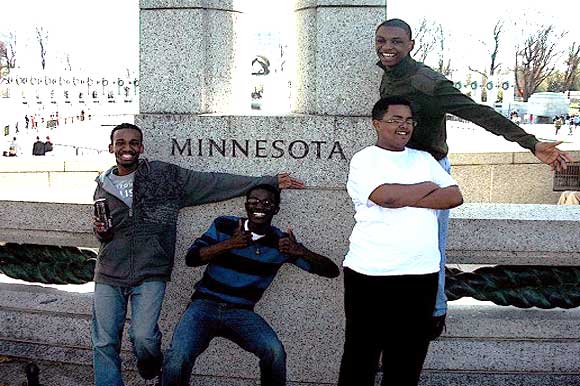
(335, 64)
(306, 310)
(59, 374)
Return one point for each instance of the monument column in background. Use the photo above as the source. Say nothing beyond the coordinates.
(335, 56)
(190, 60)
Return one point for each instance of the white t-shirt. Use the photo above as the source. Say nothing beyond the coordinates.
(384, 241)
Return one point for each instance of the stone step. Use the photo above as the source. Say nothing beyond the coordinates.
(61, 374)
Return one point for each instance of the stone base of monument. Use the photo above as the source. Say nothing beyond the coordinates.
(59, 374)
(484, 345)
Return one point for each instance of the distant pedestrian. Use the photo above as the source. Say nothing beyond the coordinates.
(14, 148)
(558, 124)
(38, 147)
(27, 120)
(47, 145)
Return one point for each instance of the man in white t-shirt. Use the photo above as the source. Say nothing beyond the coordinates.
(391, 268)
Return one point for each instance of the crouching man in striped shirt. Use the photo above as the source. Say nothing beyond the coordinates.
(242, 257)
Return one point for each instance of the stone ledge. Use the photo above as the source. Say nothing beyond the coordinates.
(479, 233)
(60, 374)
(547, 341)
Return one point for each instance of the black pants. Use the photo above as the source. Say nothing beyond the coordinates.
(389, 315)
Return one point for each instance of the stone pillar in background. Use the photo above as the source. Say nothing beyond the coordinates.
(335, 56)
(190, 60)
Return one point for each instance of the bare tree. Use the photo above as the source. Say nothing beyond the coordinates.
(3, 57)
(493, 51)
(68, 66)
(534, 59)
(553, 83)
(42, 38)
(444, 66)
(497, 30)
(11, 51)
(425, 40)
(572, 64)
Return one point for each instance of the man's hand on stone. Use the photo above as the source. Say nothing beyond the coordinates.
(285, 181)
(548, 153)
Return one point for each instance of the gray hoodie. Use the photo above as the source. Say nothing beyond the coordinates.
(142, 246)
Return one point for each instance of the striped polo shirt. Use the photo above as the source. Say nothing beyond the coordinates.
(241, 275)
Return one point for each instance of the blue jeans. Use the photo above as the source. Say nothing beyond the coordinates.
(109, 313)
(443, 223)
(205, 319)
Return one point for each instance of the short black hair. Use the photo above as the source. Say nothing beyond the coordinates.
(126, 126)
(381, 107)
(270, 188)
(399, 24)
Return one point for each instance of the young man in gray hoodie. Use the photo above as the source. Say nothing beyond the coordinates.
(137, 253)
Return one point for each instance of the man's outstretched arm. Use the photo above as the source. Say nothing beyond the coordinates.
(455, 102)
(204, 187)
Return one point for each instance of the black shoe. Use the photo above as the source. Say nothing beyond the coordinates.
(437, 326)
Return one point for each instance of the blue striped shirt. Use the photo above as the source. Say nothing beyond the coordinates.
(241, 275)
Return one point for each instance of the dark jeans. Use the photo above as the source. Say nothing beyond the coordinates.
(388, 315)
(205, 319)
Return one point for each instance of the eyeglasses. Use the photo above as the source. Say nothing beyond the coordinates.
(399, 121)
(265, 203)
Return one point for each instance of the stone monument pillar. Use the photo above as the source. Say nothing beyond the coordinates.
(335, 69)
(192, 60)
(191, 56)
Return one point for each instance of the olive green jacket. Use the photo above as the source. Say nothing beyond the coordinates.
(433, 95)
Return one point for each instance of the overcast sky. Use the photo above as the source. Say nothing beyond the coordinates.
(468, 22)
(98, 35)
(102, 36)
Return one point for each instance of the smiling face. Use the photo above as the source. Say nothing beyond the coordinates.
(261, 206)
(395, 129)
(392, 45)
(127, 146)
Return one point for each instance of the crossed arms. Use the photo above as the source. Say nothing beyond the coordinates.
(420, 195)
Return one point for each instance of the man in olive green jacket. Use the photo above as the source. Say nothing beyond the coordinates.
(433, 96)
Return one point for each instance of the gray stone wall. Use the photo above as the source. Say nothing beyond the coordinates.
(305, 310)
